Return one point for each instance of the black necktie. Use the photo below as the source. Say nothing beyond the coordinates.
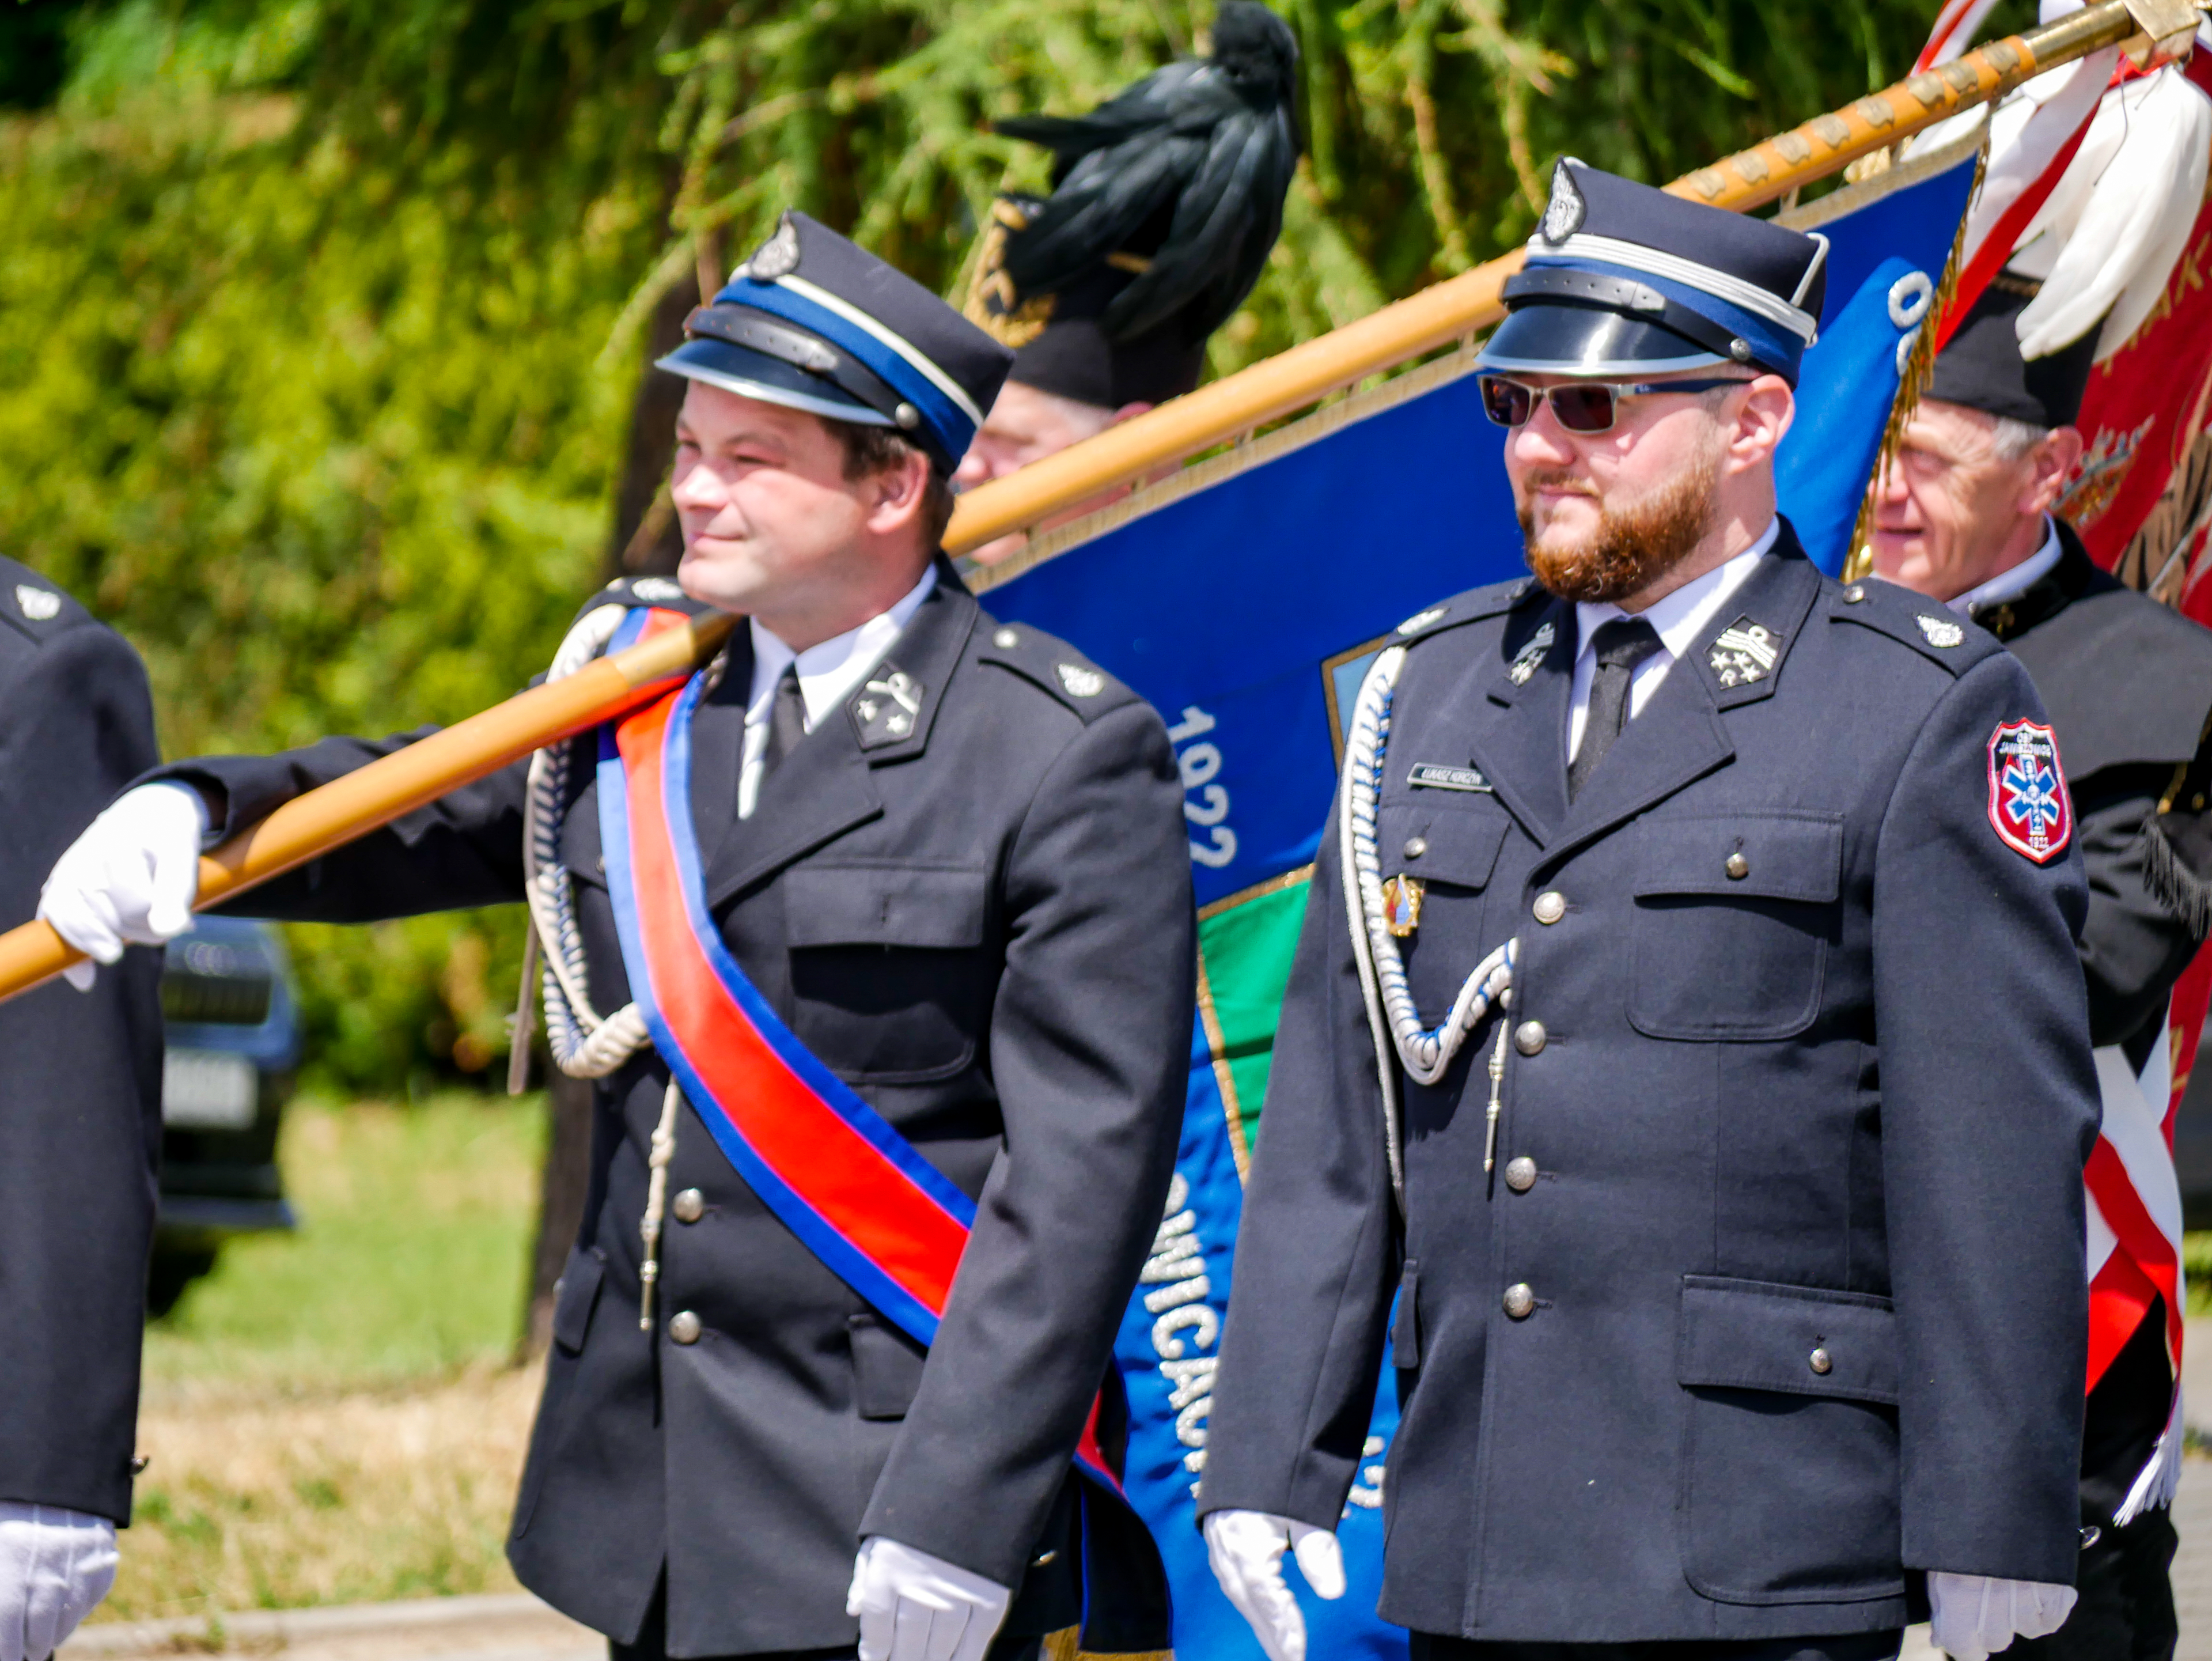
(786, 719)
(1620, 645)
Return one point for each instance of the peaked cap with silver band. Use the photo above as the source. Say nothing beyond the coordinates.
(1623, 280)
(815, 322)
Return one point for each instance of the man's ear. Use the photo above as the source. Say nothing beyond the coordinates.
(896, 493)
(2051, 464)
(1768, 408)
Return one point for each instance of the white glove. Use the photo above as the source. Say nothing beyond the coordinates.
(130, 879)
(1246, 1550)
(55, 1567)
(914, 1606)
(1971, 1616)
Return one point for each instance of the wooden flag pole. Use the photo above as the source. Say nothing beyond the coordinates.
(349, 807)
(1462, 306)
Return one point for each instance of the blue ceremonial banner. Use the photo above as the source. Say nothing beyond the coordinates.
(1245, 607)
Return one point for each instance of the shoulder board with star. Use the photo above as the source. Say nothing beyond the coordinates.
(1927, 626)
(1473, 606)
(1052, 664)
(658, 592)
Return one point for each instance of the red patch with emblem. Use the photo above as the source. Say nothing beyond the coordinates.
(2028, 804)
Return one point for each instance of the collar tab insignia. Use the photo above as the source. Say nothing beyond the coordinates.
(1940, 631)
(1420, 620)
(1745, 652)
(884, 711)
(654, 590)
(1525, 661)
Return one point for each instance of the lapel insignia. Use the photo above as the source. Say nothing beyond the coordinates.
(2028, 804)
(1745, 652)
(39, 605)
(1525, 661)
(1420, 620)
(1429, 775)
(1081, 683)
(1401, 906)
(884, 711)
(1940, 631)
(653, 590)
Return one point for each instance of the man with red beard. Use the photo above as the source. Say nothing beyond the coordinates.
(1733, 1278)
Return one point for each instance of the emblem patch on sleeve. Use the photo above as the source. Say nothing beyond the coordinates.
(2028, 804)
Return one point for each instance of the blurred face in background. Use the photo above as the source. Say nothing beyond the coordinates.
(1964, 498)
(1027, 425)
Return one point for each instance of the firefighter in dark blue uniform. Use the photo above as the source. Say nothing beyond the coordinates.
(949, 853)
(1967, 516)
(1699, 1064)
(81, 1137)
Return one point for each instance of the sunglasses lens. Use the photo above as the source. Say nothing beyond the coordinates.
(1586, 408)
(1508, 403)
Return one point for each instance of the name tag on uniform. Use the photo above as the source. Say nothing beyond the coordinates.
(1427, 776)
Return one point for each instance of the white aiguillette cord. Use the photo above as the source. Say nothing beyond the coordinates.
(584, 1044)
(1426, 1052)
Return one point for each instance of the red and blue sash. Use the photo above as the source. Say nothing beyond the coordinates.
(855, 1192)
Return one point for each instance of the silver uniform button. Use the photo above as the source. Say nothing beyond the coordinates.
(1520, 1301)
(691, 1206)
(1550, 907)
(1521, 1174)
(1737, 866)
(684, 1327)
(1821, 1362)
(1416, 846)
(1528, 1037)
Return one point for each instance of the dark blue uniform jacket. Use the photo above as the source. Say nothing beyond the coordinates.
(984, 928)
(1836, 1098)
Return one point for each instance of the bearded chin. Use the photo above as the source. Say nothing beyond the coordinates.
(1631, 547)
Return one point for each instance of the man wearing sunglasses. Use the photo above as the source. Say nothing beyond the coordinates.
(1694, 1094)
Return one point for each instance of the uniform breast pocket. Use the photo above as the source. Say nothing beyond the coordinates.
(1451, 847)
(1734, 915)
(891, 976)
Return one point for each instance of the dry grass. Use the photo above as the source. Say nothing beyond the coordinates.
(255, 1501)
(329, 1415)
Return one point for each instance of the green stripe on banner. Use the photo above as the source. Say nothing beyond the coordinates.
(1245, 944)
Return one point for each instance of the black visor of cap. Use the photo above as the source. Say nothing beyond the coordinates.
(756, 356)
(1565, 337)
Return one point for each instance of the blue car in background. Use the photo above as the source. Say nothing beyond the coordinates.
(232, 1024)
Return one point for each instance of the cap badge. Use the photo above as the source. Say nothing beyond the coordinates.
(39, 605)
(887, 707)
(1940, 631)
(1565, 212)
(1081, 683)
(1745, 652)
(1526, 661)
(777, 257)
(995, 304)
(1401, 906)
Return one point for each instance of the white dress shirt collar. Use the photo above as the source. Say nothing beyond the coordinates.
(2018, 580)
(828, 673)
(1681, 619)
